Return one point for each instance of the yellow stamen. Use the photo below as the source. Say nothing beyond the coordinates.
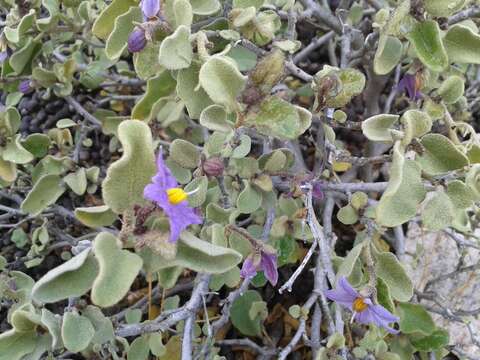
(176, 195)
(359, 305)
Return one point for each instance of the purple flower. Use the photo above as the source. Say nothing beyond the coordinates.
(150, 8)
(137, 40)
(263, 258)
(411, 84)
(25, 87)
(3, 56)
(364, 310)
(164, 191)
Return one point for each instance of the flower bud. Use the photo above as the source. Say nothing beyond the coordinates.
(137, 41)
(25, 87)
(150, 8)
(213, 166)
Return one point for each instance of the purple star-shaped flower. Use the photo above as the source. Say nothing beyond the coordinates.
(364, 310)
(164, 191)
(262, 259)
(409, 83)
(150, 8)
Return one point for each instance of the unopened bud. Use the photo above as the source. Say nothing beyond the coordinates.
(137, 40)
(25, 87)
(213, 166)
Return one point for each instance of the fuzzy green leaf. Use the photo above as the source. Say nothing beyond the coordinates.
(176, 51)
(117, 270)
(443, 8)
(184, 153)
(44, 193)
(280, 119)
(416, 124)
(452, 89)
(77, 181)
(194, 97)
(438, 212)
(249, 200)
(377, 128)
(16, 153)
(95, 216)
(205, 7)
(197, 255)
(404, 193)
(158, 87)
(14, 35)
(426, 39)
(462, 45)
(440, 155)
(146, 61)
(240, 309)
(389, 53)
(435, 341)
(415, 319)
(222, 81)
(391, 271)
(14, 345)
(460, 194)
(214, 118)
(126, 178)
(347, 215)
(118, 39)
(105, 23)
(71, 279)
(77, 332)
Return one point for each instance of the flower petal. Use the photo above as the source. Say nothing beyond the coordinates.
(180, 217)
(370, 316)
(269, 266)
(248, 269)
(383, 313)
(345, 286)
(163, 177)
(340, 296)
(150, 8)
(365, 317)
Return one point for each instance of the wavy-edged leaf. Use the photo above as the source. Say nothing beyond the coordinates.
(195, 98)
(222, 81)
(276, 117)
(378, 127)
(388, 54)
(71, 279)
(462, 45)
(44, 193)
(127, 177)
(158, 87)
(197, 255)
(391, 271)
(95, 216)
(117, 270)
(77, 332)
(176, 51)
(426, 39)
(440, 155)
(118, 38)
(105, 23)
(403, 194)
